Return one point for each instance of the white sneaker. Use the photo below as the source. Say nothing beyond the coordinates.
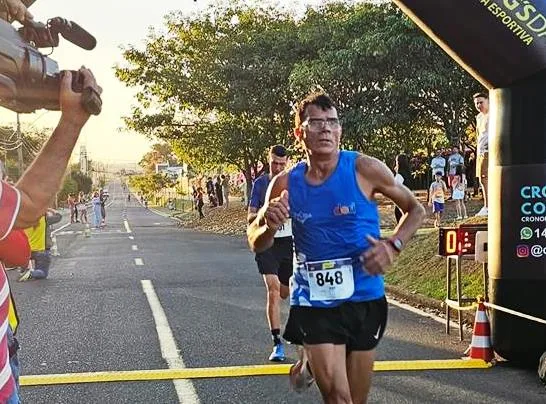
(459, 217)
(483, 212)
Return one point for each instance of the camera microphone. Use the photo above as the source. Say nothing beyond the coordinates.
(73, 32)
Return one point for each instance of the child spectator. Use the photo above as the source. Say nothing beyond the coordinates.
(458, 188)
(437, 197)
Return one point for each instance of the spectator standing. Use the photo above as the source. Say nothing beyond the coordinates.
(481, 102)
(200, 202)
(225, 190)
(71, 202)
(103, 198)
(210, 192)
(437, 197)
(438, 164)
(458, 188)
(97, 215)
(218, 191)
(470, 170)
(81, 206)
(454, 160)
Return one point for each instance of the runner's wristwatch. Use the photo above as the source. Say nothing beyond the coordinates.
(396, 243)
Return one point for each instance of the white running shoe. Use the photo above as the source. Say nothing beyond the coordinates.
(483, 212)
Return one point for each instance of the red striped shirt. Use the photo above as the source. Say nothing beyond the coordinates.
(9, 207)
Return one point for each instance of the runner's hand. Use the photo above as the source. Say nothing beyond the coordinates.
(277, 211)
(378, 257)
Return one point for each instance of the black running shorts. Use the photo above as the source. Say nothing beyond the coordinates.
(277, 260)
(359, 326)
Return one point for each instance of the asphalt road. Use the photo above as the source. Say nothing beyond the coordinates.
(92, 314)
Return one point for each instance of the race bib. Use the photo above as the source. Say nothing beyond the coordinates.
(331, 279)
(285, 230)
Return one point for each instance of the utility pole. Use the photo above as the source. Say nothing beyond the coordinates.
(20, 148)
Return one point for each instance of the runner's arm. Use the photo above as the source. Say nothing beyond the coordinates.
(254, 203)
(382, 182)
(252, 214)
(43, 178)
(260, 234)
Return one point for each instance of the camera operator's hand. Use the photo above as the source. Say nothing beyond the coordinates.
(71, 102)
(17, 10)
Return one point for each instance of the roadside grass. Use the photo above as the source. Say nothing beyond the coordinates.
(419, 270)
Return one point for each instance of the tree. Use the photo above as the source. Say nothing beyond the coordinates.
(75, 182)
(220, 87)
(32, 141)
(149, 184)
(394, 87)
(160, 153)
(219, 84)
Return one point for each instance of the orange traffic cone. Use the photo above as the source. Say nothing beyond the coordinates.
(481, 348)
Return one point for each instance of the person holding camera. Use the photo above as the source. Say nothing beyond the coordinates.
(14, 10)
(22, 206)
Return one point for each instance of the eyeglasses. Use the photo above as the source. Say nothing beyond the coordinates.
(318, 124)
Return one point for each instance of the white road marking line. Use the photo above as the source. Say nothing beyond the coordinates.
(134, 247)
(157, 224)
(184, 388)
(60, 228)
(138, 261)
(126, 223)
(131, 238)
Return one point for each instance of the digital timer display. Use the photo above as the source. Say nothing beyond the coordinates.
(458, 240)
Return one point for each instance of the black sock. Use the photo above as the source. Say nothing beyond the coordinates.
(276, 336)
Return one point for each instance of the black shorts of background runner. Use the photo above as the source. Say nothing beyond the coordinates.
(359, 326)
(277, 260)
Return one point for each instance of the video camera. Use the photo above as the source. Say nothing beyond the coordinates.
(30, 80)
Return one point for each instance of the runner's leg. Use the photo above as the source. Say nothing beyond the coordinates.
(328, 365)
(359, 372)
(273, 287)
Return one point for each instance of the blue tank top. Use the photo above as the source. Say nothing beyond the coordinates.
(330, 221)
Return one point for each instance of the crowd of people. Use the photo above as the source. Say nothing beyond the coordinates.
(96, 201)
(217, 193)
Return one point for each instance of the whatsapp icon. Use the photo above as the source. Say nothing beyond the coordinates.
(526, 233)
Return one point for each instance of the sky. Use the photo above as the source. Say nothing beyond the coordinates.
(114, 23)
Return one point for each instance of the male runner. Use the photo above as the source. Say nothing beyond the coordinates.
(338, 308)
(275, 263)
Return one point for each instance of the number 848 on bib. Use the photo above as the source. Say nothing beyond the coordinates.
(330, 279)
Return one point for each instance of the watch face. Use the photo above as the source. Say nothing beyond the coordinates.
(397, 244)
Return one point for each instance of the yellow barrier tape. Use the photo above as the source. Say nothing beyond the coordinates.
(232, 371)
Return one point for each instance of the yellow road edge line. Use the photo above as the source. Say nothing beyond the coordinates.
(232, 371)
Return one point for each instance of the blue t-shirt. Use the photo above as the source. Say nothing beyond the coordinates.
(259, 189)
(330, 221)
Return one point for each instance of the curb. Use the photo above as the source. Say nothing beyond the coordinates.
(420, 301)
